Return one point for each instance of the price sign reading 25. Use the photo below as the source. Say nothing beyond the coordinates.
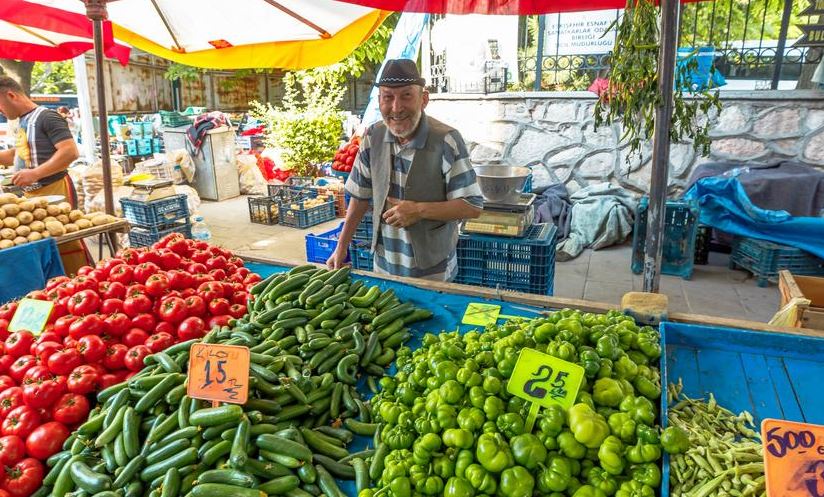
(545, 380)
(793, 458)
(219, 373)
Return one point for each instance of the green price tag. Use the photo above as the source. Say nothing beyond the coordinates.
(32, 315)
(544, 380)
(478, 314)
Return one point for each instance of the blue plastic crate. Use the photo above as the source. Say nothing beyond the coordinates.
(769, 374)
(131, 147)
(144, 146)
(301, 216)
(518, 264)
(143, 237)
(320, 247)
(364, 229)
(156, 212)
(157, 145)
(765, 259)
(527, 184)
(680, 229)
(361, 256)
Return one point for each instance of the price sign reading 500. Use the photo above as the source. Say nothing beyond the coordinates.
(219, 373)
(793, 458)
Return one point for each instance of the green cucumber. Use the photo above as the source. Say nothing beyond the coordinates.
(213, 416)
(228, 477)
(171, 483)
(182, 458)
(280, 445)
(221, 490)
(280, 485)
(238, 457)
(89, 480)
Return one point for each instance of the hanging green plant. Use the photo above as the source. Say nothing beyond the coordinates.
(633, 95)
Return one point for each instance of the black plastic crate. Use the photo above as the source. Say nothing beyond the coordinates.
(361, 256)
(264, 210)
(680, 227)
(703, 237)
(765, 259)
(518, 264)
(143, 237)
(155, 212)
(296, 213)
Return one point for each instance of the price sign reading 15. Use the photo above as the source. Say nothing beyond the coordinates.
(219, 373)
(793, 458)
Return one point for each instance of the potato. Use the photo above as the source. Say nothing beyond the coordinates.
(37, 226)
(45, 234)
(40, 214)
(8, 198)
(23, 230)
(11, 222)
(101, 220)
(63, 218)
(71, 228)
(83, 224)
(75, 215)
(34, 236)
(25, 217)
(55, 228)
(8, 234)
(27, 205)
(6, 244)
(11, 209)
(64, 207)
(50, 219)
(41, 202)
(53, 210)
(2, 214)
(20, 240)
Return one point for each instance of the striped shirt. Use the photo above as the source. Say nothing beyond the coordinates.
(393, 252)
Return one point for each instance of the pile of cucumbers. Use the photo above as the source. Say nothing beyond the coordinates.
(312, 334)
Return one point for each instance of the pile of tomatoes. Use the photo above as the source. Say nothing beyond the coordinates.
(105, 322)
(345, 156)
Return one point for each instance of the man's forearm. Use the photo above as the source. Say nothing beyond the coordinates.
(7, 157)
(60, 161)
(449, 210)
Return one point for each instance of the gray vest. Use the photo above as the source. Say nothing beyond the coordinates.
(432, 241)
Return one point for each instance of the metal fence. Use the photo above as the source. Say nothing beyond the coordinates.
(752, 48)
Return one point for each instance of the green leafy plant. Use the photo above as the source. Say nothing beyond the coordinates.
(632, 95)
(308, 124)
(53, 77)
(182, 72)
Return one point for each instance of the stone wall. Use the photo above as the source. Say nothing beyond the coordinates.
(557, 129)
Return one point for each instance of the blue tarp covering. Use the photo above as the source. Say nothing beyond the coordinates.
(726, 206)
(27, 267)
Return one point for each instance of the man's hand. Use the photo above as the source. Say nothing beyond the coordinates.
(402, 214)
(338, 258)
(25, 177)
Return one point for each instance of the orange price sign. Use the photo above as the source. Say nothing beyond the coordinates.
(219, 373)
(793, 458)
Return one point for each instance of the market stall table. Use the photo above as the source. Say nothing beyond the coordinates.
(27, 267)
(106, 233)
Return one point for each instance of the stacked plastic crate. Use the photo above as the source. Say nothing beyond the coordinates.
(360, 250)
(150, 221)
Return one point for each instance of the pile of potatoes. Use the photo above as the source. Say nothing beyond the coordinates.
(25, 220)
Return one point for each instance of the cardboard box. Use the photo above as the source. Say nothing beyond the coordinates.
(808, 287)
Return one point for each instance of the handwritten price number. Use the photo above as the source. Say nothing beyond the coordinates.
(207, 369)
(541, 377)
(779, 444)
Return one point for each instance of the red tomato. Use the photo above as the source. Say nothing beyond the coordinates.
(237, 311)
(179, 246)
(110, 306)
(243, 271)
(56, 281)
(114, 356)
(7, 310)
(20, 421)
(149, 256)
(48, 336)
(64, 361)
(170, 260)
(196, 268)
(106, 265)
(48, 438)
(188, 292)
(19, 367)
(19, 343)
(164, 327)
(92, 348)
(22, 479)
(6, 382)
(218, 262)
(69, 343)
(40, 393)
(10, 398)
(84, 270)
(195, 306)
(251, 279)
(144, 270)
(112, 290)
(191, 327)
(83, 380)
(4, 329)
(121, 273)
(87, 325)
(219, 306)
(172, 309)
(157, 285)
(137, 305)
(222, 320)
(134, 357)
(84, 302)
(179, 279)
(37, 373)
(210, 290)
(135, 336)
(200, 256)
(61, 326)
(157, 342)
(144, 321)
(108, 380)
(117, 324)
(129, 255)
(218, 274)
(5, 363)
(44, 350)
(12, 450)
(71, 408)
(240, 297)
(60, 381)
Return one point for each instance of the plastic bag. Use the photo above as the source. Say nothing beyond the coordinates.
(183, 167)
(788, 315)
(93, 182)
(251, 180)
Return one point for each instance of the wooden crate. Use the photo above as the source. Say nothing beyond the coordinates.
(808, 287)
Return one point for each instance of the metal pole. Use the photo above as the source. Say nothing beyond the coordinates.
(661, 146)
(539, 62)
(782, 43)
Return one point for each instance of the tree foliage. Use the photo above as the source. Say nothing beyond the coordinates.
(749, 20)
(53, 77)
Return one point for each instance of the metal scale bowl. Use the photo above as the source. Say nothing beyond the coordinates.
(507, 211)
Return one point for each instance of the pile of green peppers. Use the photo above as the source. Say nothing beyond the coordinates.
(449, 426)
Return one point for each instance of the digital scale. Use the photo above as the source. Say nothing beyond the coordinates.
(504, 219)
(152, 189)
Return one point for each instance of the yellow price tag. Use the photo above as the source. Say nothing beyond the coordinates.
(32, 315)
(478, 314)
(544, 380)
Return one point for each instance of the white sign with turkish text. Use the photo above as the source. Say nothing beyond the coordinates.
(579, 33)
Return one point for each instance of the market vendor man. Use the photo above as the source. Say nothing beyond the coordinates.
(44, 149)
(415, 172)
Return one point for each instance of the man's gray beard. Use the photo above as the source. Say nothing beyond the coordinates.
(409, 133)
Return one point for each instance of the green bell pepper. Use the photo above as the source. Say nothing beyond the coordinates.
(463, 459)
(555, 476)
(458, 487)
(634, 489)
(398, 437)
(606, 369)
(468, 378)
(431, 485)
(675, 440)
(425, 447)
(447, 416)
(608, 392)
(427, 424)
(647, 473)
(493, 453)
(444, 465)
(647, 434)
(446, 370)
(649, 344)
(552, 419)
(401, 487)
(590, 360)
(477, 396)
(545, 332)
(648, 388)
(562, 350)
(638, 357)
(570, 447)
(527, 450)
(611, 455)
(641, 453)
(602, 480)
(589, 428)
(640, 409)
(492, 385)
(622, 426)
(458, 438)
(451, 391)
(516, 481)
(510, 424)
(588, 491)
(625, 367)
(608, 347)
(389, 412)
(493, 407)
(480, 479)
